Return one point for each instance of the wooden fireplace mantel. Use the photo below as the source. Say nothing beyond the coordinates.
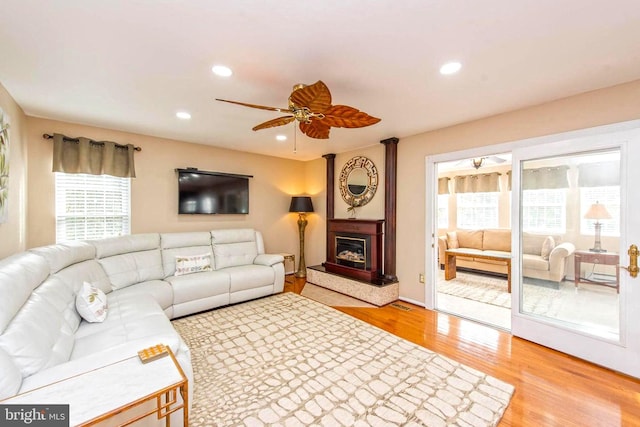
(373, 228)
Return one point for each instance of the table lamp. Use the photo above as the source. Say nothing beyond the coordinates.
(597, 211)
(302, 205)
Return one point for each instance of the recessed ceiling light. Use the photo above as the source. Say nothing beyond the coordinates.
(281, 137)
(221, 70)
(183, 115)
(450, 68)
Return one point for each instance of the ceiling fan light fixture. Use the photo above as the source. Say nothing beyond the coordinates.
(450, 68)
(221, 70)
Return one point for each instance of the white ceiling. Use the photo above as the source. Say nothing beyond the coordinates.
(131, 64)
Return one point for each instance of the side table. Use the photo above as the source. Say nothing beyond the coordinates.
(602, 258)
(108, 391)
(289, 257)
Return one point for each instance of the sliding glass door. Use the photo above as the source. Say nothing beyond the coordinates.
(573, 223)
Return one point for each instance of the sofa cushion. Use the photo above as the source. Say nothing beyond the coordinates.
(471, 239)
(496, 240)
(65, 254)
(547, 246)
(249, 277)
(42, 332)
(86, 271)
(198, 285)
(126, 244)
(20, 274)
(452, 240)
(131, 318)
(233, 248)
(10, 378)
(160, 290)
(91, 303)
(183, 244)
(135, 267)
(534, 262)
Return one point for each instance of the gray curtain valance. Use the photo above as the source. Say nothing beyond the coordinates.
(481, 183)
(545, 178)
(598, 174)
(82, 155)
(443, 185)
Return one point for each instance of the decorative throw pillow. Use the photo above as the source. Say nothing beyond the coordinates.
(452, 240)
(547, 247)
(91, 303)
(192, 264)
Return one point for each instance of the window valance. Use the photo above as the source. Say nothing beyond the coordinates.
(481, 183)
(598, 174)
(82, 155)
(443, 185)
(545, 178)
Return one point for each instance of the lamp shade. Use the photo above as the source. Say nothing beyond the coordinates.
(597, 211)
(301, 204)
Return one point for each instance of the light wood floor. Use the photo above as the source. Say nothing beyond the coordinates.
(552, 388)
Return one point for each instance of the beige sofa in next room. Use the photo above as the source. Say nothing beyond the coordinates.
(544, 257)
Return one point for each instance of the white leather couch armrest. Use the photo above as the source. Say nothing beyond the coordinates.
(268, 259)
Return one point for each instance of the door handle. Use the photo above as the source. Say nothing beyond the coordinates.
(633, 261)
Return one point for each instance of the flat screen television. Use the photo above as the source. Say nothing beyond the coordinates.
(201, 192)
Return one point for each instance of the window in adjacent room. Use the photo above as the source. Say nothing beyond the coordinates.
(477, 210)
(544, 211)
(92, 206)
(609, 197)
(443, 211)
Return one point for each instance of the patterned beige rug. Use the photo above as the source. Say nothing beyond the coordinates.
(286, 360)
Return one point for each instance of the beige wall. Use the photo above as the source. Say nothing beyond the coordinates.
(605, 106)
(154, 191)
(12, 232)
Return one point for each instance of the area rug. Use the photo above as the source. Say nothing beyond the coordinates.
(286, 360)
(332, 298)
(591, 305)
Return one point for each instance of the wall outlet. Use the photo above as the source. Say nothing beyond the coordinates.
(421, 278)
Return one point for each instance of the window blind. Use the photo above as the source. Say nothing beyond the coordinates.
(91, 206)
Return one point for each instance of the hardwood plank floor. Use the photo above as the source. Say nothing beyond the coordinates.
(552, 388)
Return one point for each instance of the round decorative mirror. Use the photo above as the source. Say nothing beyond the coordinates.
(358, 181)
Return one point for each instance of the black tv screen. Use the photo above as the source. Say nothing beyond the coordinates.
(202, 192)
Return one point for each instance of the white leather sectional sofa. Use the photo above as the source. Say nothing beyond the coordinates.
(43, 338)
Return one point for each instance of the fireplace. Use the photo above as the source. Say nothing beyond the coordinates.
(355, 248)
(351, 250)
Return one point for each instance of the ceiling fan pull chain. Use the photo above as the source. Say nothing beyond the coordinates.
(295, 140)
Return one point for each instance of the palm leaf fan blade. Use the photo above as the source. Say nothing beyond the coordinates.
(261, 107)
(275, 122)
(344, 116)
(315, 97)
(315, 129)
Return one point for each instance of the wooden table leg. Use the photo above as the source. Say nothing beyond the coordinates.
(449, 266)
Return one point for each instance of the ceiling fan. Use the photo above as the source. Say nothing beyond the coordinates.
(311, 106)
(478, 162)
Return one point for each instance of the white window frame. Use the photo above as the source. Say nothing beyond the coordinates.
(91, 207)
(477, 210)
